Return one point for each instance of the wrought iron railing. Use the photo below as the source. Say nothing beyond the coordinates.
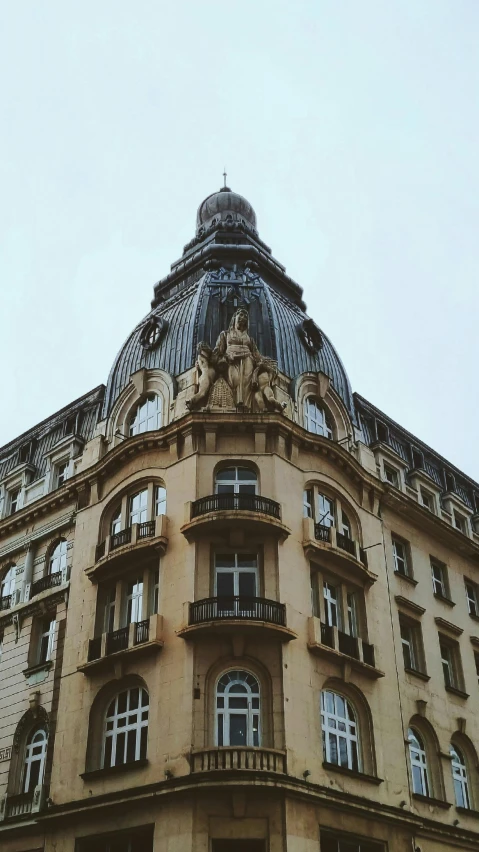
(368, 654)
(237, 757)
(142, 631)
(256, 609)
(234, 502)
(6, 602)
(322, 532)
(146, 529)
(117, 640)
(47, 582)
(120, 538)
(94, 649)
(327, 635)
(348, 645)
(19, 805)
(346, 543)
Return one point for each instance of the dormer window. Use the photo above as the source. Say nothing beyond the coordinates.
(427, 500)
(62, 473)
(459, 522)
(147, 416)
(13, 500)
(316, 419)
(391, 475)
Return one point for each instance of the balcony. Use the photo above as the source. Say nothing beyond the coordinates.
(6, 602)
(342, 648)
(227, 511)
(319, 540)
(238, 758)
(16, 807)
(140, 637)
(239, 615)
(135, 542)
(47, 582)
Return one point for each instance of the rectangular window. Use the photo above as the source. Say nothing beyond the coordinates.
(401, 561)
(332, 842)
(391, 475)
(352, 614)
(472, 598)
(427, 500)
(451, 663)
(45, 644)
(160, 500)
(408, 650)
(61, 473)
(139, 507)
(13, 500)
(411, 641)
(326, 512)
(155, 586)
(134, 600)
(308, 503)
(236, 575)
(109, 615)
(132, 840)
(331, 596)
(439, 579)
(459, 521)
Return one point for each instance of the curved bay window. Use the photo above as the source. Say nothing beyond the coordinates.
(147, 415)
(35, 756)
(326, 511)
(126, 728)
(238, 710)
(317, 419)
(58, 557)
(418, 761)
(340, 731)
(459, 777)
(7, 586)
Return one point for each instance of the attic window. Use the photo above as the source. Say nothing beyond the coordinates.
(417, 460)
(382, 432)
(311, 336)
(152, 332)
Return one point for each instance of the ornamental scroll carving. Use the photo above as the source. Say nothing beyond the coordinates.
(234, 374)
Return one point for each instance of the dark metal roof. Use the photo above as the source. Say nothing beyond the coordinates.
(204, 308)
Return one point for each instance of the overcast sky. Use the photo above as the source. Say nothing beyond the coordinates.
(350, 125)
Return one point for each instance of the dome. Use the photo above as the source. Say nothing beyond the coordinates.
(225, 206)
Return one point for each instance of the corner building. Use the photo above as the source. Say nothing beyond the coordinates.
(239, 605)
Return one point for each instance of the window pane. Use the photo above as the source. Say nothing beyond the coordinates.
(247, 585)
(237, 729)
(224, 584)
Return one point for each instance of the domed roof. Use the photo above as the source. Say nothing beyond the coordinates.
(225, 205)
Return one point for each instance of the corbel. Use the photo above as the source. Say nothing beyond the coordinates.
(138, 381)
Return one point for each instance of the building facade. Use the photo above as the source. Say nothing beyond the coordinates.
(239, 606)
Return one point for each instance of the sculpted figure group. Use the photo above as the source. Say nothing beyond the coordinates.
(234, 373)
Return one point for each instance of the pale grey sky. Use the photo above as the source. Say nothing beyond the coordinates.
(350, 125)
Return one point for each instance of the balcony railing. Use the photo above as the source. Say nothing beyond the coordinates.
(19, 805)
(94, 649)
(237, 757)
(235, 502)
(327, 635)
(368, 654)
(146, 529)
(117, 640)
(6, 602)
(322, 532)
(47, 582)
(120, 538)
(142, 631)
(346, 543)
(256, 609)
(336, 644)
(348, 645)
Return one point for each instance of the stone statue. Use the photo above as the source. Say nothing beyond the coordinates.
(235, 374)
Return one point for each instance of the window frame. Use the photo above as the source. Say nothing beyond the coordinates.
(109, 754)
(351, 737)
(45, 639)
(450, 656)
(405, 559)
(235, 482)
(472, 597)
(224, 712)
(415, 643)
(420, 762)
(58, 556)
(30, 759)
(13, 499)
(395, 478)
(460, 777)
(141, 414)
(324, 423)
(442, 581)
(11, 570)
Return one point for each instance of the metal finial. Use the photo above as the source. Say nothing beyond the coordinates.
(224, 177)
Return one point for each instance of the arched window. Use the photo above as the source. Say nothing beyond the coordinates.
(147, 415)
(316, 419)
(238, 710)
(115, 526)
(236, 480)
(340, 731)
(345, 525)
(58, 557)
(7, 586)
(459, 777)
(35, 754)
(126, 728)
(418, 759)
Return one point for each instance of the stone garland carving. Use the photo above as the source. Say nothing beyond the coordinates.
(234, 374)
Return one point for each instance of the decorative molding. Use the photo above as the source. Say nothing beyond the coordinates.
(33, 716)
(5, 753)
(448, 627)
(405, 603)
(24, 541)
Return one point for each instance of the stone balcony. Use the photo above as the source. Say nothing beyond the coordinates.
(23, 805)
(239, 616)
(238, 758)
(319, 540)
(342, 648)
(133, 544)
(248, 512)
(109, 649)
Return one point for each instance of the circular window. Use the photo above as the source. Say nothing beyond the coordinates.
(152, 332)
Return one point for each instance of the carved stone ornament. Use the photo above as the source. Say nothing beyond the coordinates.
(311, 336)
(32, 717)
(234, 374)
(152, 332)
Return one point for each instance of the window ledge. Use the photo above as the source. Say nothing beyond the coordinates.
(467, 811)
(39, 667)
(429, 800)
(475, 618)
(406, 577)
(455, 691)
(447, 601)
(114, 770)
(352, 773)
(417, 673)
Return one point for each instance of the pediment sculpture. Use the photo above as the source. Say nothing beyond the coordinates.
(234, 374)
